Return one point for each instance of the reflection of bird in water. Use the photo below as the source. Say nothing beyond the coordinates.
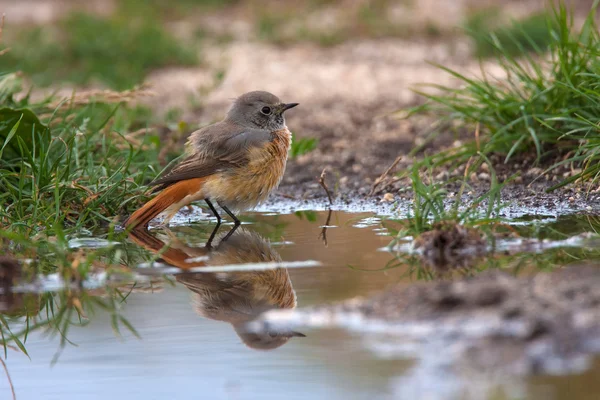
(236, 297)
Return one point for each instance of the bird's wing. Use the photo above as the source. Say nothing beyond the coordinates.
(224, 288)
(215, 151)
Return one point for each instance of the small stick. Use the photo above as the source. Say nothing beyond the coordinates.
(324, 185)
(323, 234)
(6, 50)
(384, 175)
(12, 388)
(2, 25)
(287, 196)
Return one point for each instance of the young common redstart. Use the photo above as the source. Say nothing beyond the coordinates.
(237, 162)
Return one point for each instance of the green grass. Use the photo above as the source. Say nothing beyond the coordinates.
(68, 170)
(117, 52)
(431, 205)
(526, 35)
(432, 209)
(57, 311)
(547, 106)
(372, 21)
(368, 20)
(75, 166)
(171, 8)
(302, 146)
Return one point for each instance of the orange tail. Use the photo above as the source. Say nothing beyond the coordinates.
(171, 195)
(173, 256)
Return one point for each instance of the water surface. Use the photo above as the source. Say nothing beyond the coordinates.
(181, 354)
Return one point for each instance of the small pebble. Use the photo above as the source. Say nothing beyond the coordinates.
(388, 197)
(484, 176)
(442, 175)
(534, 171)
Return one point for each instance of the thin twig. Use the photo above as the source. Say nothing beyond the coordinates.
(12, 388)
(2, 25)
(323, 234)
(6, 50)
(324, 185)
(384, 175)
(287, 196)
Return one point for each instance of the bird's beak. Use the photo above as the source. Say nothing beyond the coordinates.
(288, 106)
(298, 334)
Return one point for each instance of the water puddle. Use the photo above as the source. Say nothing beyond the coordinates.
(170, 318)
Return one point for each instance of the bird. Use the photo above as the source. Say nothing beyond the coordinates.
(236, 162)
(236, 297)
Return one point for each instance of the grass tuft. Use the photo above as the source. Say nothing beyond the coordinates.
(431, 205)
(526, 35)
(547, 105)
(302, 146)
(74, 164)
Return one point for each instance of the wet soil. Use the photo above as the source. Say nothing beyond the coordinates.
(522, 325)
(190, 307)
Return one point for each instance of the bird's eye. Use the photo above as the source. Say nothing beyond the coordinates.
(266, 110)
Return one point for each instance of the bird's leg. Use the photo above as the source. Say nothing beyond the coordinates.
(214, 232)
(212, 236)
(230, 233)
(235, 220)
(214, 211)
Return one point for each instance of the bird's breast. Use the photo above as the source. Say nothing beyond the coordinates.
(267, 163)
(244, 187)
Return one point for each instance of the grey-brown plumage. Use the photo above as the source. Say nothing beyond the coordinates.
(237, 162)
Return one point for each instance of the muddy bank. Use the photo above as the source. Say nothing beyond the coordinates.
(547, 323)
(518, 200)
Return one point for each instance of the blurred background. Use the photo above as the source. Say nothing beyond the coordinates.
(350, 63)
(357, 50)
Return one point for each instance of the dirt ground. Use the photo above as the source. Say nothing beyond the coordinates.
(492, 321)
(349, 98)
(348, 93)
